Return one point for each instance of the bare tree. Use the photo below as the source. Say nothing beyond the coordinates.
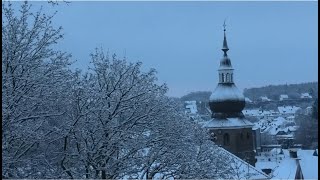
(113, 121)
(34, 78)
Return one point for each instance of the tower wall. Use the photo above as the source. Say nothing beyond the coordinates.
(241, 142)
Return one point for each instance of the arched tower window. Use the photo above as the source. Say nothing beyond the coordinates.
(226, 139)
(231, 77)
(222, 77)
(219, 77)
(227, 77)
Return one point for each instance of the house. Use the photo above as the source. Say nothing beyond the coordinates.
(305, 96)
(248, 100)
(191, 107)
(288, 110)
(290, 118)
(264, 98)
(308, 110)
(293, 163)
(283, 97)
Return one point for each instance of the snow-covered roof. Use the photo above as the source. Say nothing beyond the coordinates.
(262, 124)
(290, 117)
(305, 95)
(265, 98)
(308, 164)
(285, 136)
(244, 169)
(309, 107)
(288, 109)
(247, 99)
(192, 106)
(283, 96)
(222, 93)
(258, 112)
(227, 123)
(285, 167)
(251, 112)
(276, 126)
(279, 121)
(293, 128)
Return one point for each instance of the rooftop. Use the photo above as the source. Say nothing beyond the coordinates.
(227, 123)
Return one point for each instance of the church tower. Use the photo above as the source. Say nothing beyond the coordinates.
(228, 126)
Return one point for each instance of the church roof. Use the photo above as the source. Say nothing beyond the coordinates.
(243, 170)
(226, 92)
(227, 123)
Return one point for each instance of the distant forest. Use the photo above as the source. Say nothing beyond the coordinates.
(272, 92)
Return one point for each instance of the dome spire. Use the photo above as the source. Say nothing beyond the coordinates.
(225, 45)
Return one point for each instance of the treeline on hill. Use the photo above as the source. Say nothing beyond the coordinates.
(197, 96)
(274, 91)
(271, 91)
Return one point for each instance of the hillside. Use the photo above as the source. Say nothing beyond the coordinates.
(197, 96)
(272, 92)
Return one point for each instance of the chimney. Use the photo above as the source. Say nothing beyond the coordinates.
(293, 153)
(315, 153)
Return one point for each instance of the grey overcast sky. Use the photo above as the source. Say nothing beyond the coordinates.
(269, 42)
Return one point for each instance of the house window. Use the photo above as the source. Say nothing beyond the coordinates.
(248, 135)
(241, 135)
(226, 139)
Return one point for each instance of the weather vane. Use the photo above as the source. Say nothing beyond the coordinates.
(224, 25)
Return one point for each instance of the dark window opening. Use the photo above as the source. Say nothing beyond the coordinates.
(226, 139)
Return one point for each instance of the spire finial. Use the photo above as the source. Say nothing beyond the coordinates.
(225, 45)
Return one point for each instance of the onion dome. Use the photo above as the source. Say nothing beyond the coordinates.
(226, 100)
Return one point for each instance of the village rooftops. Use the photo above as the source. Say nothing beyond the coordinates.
(285, 166)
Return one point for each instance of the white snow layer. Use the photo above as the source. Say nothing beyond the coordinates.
(227, 123)
(244, 169)
(285, 167)
(222, 93)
